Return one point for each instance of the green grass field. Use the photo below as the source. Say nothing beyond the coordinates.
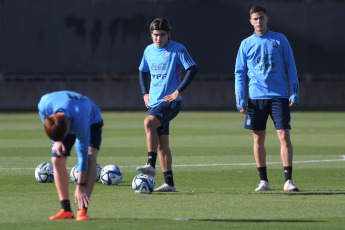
(212, 158)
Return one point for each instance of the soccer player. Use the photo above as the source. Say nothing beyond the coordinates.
(164, 59)
(69, 118)
(266, 57)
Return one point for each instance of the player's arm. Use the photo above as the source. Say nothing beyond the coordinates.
(291, 71)
(144, 87)
(240, 79)
(80, 195)
(82, 132)
(191, 72)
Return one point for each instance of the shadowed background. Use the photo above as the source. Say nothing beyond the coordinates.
(95, 47)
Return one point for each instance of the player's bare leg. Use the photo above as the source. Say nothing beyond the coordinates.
(286, 150)
(259, 137)
(164, 153)
(151, 123)
(165, 160)
(61, 177)
(286, 153)
(61, 184)
(259, 150)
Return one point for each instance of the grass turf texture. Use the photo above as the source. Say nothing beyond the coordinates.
(223, 196)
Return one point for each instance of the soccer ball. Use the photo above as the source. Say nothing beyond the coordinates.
(111, 175)
(143, 183)
(99, 170)
(44, 173)
(74, 173)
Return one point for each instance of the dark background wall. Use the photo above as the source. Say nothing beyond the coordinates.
(95, 47)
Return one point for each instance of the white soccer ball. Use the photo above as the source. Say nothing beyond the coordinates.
(98, 173)
(111, 175)
(74, 173)
(143, 183)
(44, 173)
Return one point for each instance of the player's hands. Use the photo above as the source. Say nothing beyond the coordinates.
(173, 96)
(243, 110)
(147, 100)
(59, 148)
(81, 197)
(291, 104)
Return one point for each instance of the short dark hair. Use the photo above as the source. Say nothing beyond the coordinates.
(160, 24)
(256, 9)
(56, 126)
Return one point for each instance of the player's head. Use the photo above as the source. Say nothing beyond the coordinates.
(57, 126)
(258, 19)
(257, 9)
(160, 31)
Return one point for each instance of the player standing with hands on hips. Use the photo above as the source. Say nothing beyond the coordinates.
(267, 58)
(164, 59)
(70, 117)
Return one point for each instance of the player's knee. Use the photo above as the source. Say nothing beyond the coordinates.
(284, 135)
(58, 162)
(150, 122)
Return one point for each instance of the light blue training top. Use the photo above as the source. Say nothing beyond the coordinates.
(165, 65)
(270, 65)
(81, 112)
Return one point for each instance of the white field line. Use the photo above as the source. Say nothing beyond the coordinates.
(269, 163)
(206, 165)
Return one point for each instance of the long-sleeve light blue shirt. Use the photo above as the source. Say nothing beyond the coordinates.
(270, 65)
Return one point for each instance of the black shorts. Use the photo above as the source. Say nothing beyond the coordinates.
(95, 139)
(259, 110)
(165, 112)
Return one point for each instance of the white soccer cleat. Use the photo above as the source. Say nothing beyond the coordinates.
(263, 186)
(290, 186)
(165, 188)
(147, 169)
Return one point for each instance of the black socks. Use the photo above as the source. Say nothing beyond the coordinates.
(263, 173)
(66, 205)
(168, 178)
(151, 159)
(288, 172)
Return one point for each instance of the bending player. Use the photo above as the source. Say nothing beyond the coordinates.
(70, 117)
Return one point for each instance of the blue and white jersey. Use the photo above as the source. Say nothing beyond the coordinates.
(270, 65)
(81, 112)
(165, 65)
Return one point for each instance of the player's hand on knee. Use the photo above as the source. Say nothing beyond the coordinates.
(59, 148)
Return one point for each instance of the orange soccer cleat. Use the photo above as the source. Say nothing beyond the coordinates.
(62, 214)
(82, 215)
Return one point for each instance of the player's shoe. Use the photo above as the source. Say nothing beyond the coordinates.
(82, 215)
(290, 186)
(165, 188)
(263, 186)
(147, 169)
(62, 214)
